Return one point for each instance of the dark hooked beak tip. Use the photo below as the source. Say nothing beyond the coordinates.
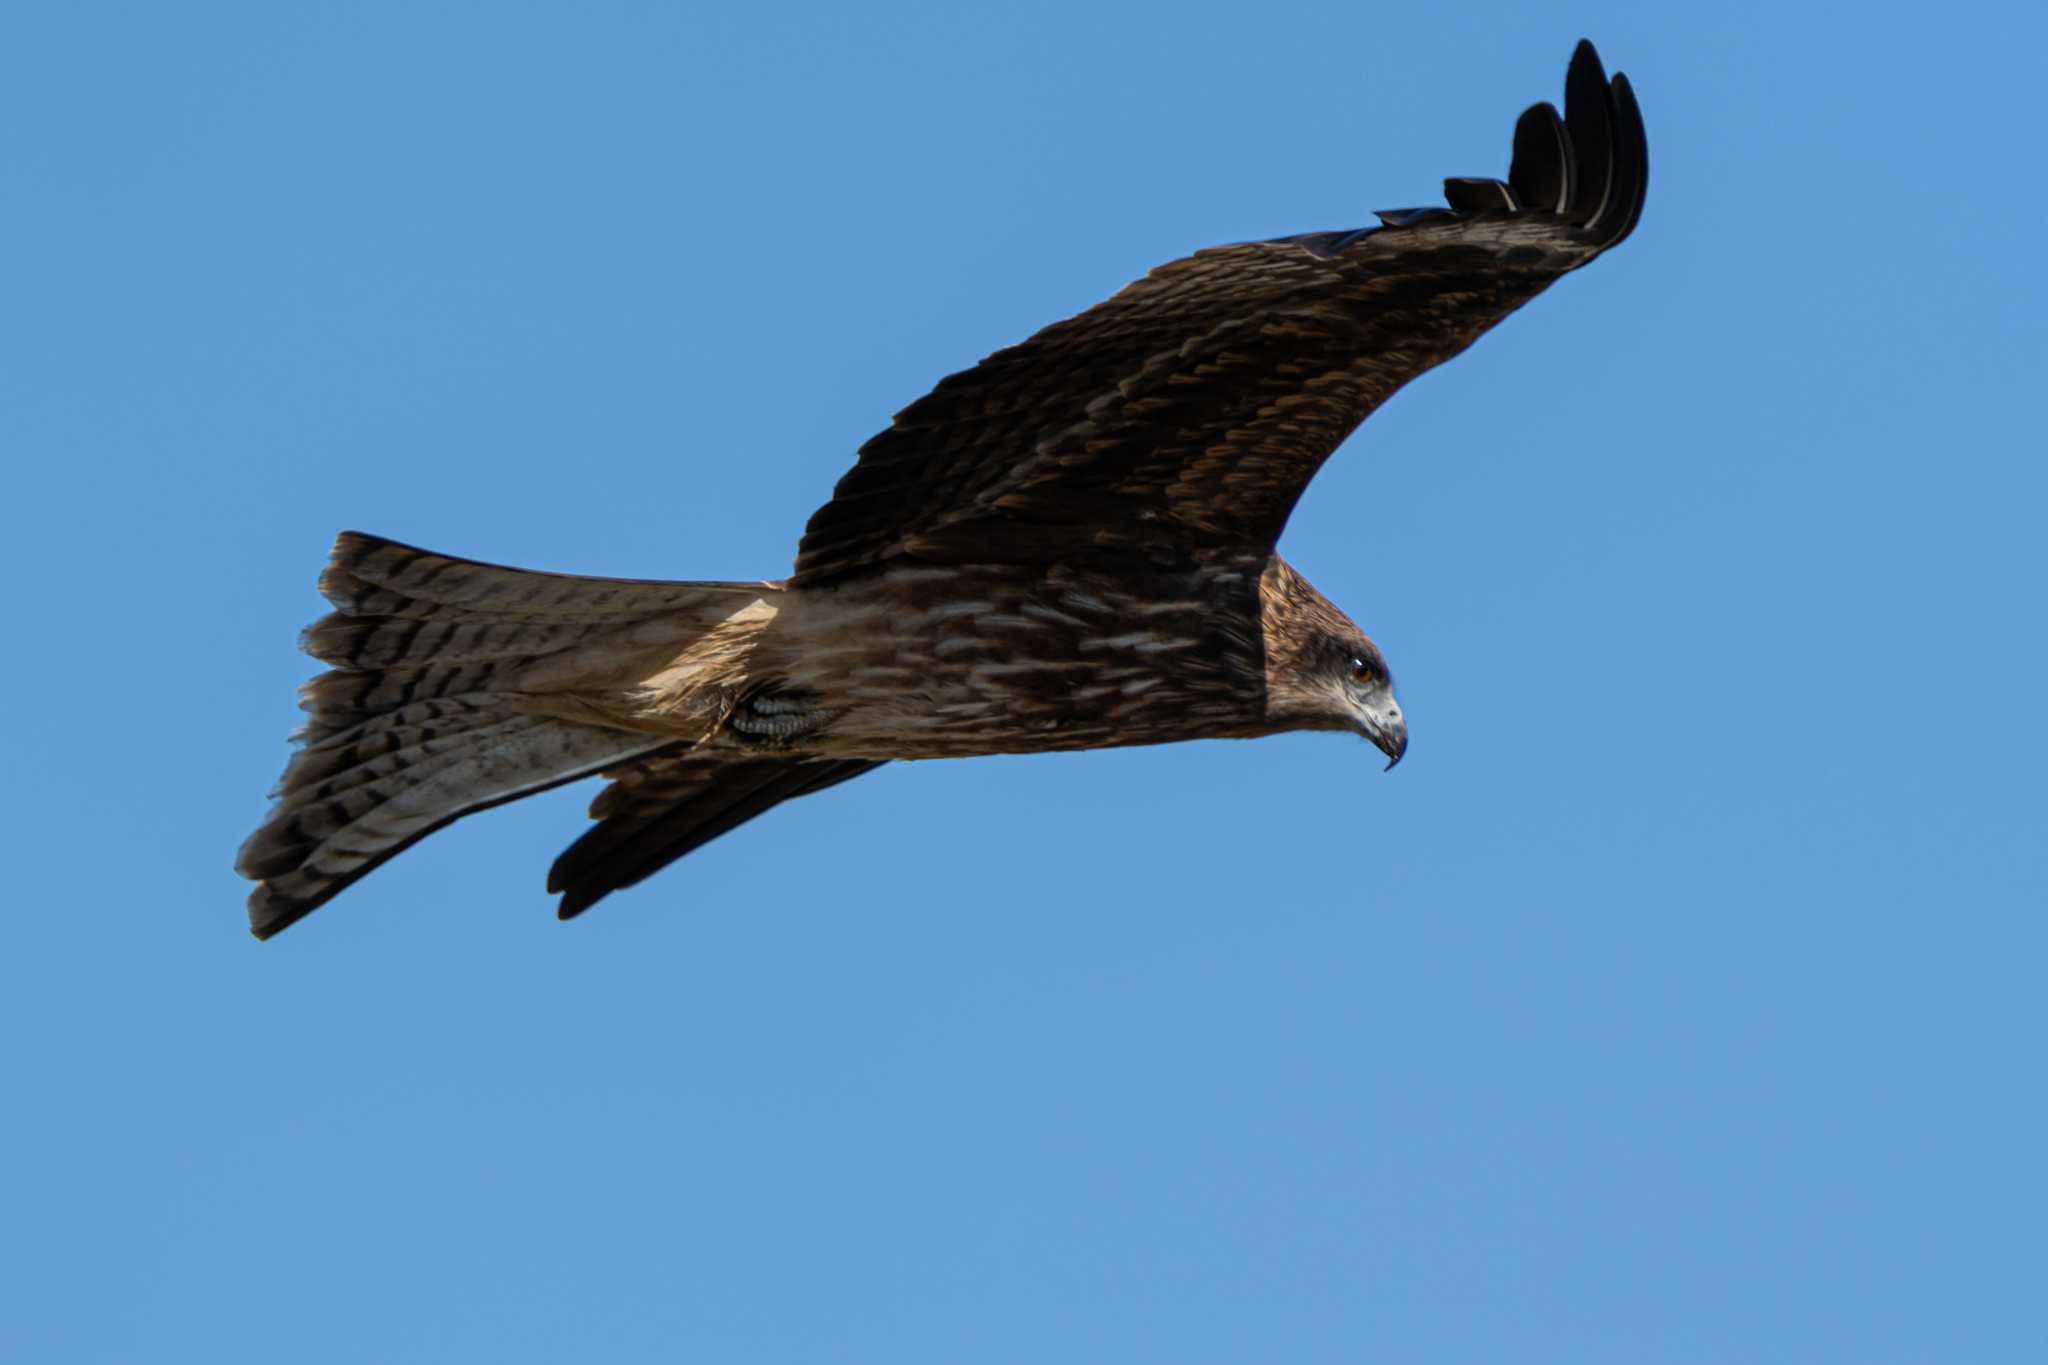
(1393, 744)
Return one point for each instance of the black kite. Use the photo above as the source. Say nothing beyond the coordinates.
(1069, 546)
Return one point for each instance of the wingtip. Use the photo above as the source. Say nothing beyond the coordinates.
(1587, 57)
(1540, 167)
(1635, 142)
(1475, 194)
(1588, 164)
(270, 915)
(1609, 146)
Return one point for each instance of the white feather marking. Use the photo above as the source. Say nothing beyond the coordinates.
(1040, 611)
(948, 610)
(1003, 669)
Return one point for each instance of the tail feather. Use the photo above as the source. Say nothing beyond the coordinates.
(369, 575)
(314, 847)
(385, 787)
(388, 641)
(320, 761)
(420, 721)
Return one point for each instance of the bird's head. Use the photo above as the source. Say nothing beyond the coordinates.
(1322, 673)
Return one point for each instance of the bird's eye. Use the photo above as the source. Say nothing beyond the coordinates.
(1361, 671)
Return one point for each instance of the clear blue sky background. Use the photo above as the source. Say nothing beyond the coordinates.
(1679, 999)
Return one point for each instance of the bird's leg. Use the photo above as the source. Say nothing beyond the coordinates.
(774, 715)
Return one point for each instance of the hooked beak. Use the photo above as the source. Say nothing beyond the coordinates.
(1383, 725)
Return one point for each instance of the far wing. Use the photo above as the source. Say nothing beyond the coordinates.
(1186, 414)
(666, 805)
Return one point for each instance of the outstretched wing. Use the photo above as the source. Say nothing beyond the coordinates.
(1186, 414)
(665, 805)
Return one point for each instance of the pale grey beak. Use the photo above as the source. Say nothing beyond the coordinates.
(1384, 727)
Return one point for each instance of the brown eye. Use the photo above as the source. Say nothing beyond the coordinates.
(1361, 671)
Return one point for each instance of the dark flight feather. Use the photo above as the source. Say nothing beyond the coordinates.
(672, 803)
(1542, 168)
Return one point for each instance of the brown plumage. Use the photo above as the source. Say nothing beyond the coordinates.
(1069, 546)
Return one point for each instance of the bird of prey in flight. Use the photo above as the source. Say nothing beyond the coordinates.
(1068, 546)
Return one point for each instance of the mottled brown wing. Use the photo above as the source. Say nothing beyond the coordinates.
(1185, 415)
(665, 805)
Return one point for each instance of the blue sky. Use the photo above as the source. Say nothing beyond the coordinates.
(1678, 999)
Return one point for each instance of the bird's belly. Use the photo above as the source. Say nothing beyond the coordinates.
(1000, 708)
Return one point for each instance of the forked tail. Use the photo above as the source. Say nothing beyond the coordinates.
(427, 714)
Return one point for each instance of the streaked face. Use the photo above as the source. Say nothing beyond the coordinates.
(1322, 673)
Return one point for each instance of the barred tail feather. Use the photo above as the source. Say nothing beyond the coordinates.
(420, 722)
(321, 839)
